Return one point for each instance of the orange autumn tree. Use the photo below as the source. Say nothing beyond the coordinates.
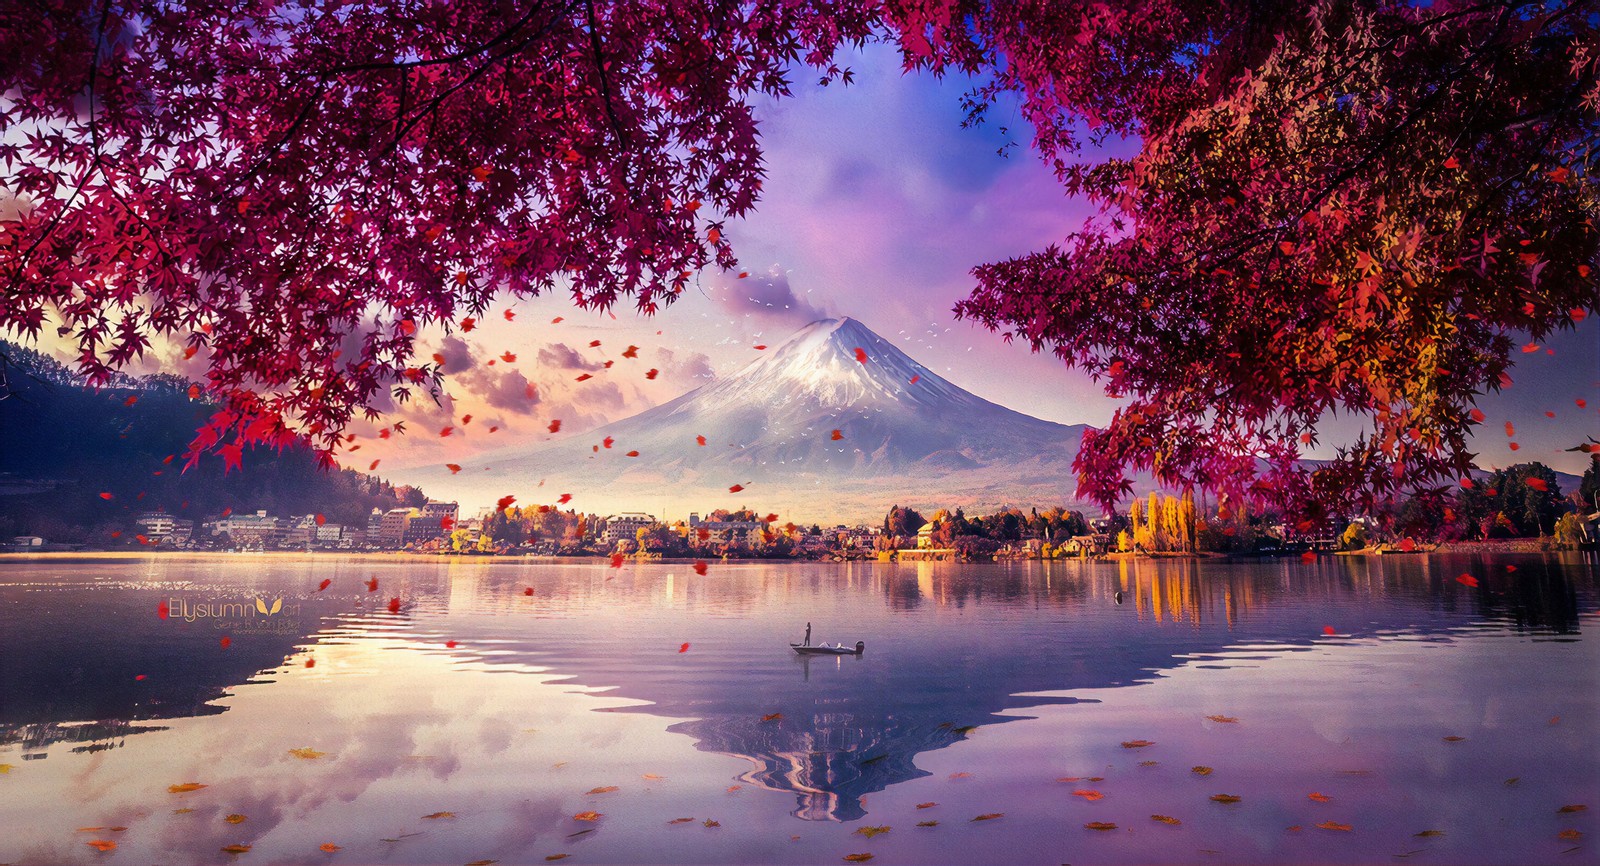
(1343, 205)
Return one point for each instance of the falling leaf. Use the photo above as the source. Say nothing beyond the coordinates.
(394, 605)
(652, 777)
(1308, 557)
(1136, 744)
(700, 440)
(1226, 798)
(437, 815)
(453, 467)
(861, 355)
(680, 820)
(990, 816)
(311, 663)
(372, 584)
(771, 717)
(101, 844)
(307, 753)
(736, 488)
(558, 856)
(651, 373)
(1099, 825)
(928, 805)
(504, 502)
(235, 849)
(528, 591)
(1334, 825)
(1570, 835)
(1148, 763)
(857, 858)
(587, 816)
(326, 582)
(555, 426)
(225, 642)
(1564, 810)
(1088, 794)
(684, 647)
(1537, 484)
(184, 788)
(1166, 819)
(927, 823)
(633, 454)
(916, 379)
(616, 560)
(1454, 739)
(961, 775)
(1467, 580)
(104, 495)
(710, 823)
(1204, 771)
(1328, 629)
(1226, 720)
(607, 789)
(1320, 798)
(700, 566)
(869, 832)
(234, 819)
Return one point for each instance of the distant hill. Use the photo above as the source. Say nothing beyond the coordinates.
(905, 435)
(63, 444)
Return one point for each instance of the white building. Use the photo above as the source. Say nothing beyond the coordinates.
(625, 526)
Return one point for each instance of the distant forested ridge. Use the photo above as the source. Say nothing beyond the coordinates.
(63, 445)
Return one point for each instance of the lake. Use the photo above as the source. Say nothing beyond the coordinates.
(1351, 710)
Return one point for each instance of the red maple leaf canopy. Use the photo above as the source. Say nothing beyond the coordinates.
(1305, 207)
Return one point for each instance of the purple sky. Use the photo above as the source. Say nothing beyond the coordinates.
(876, 205)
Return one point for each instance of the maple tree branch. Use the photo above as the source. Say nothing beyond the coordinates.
(605, 86)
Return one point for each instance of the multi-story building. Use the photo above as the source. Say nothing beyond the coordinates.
(251, 530)
(392, 528)
(746, 532)
(625, 526)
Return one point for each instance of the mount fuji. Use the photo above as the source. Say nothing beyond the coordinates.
(906, 435)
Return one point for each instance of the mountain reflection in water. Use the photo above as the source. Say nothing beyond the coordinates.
(949, 647)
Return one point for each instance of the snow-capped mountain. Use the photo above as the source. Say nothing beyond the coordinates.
(906, 435)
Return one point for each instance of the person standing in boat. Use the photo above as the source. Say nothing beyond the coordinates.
(808, 635)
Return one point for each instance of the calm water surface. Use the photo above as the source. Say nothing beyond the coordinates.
(477, 719)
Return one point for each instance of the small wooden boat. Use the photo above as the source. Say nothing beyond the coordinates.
(825, 650)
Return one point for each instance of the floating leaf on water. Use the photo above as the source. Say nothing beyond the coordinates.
(437, 815)
(710, 823)
(1095, 779)
(1570, 835)
(1426, 833)
(487, 862)
(990, 816)
(1148, 763)
(1226, 798)
(961, 775)
(869, 832)
(183, 811)
(1166, 819)
(235, 849)
(1099, 825)
(1454, 739)
(605, 789)
(307, 754)
(857, 858)
(1202, 771)
(1089, 795)
(1295, 828)
(184, 788)
(329, 847)
(928, 805)
(1512, 782)
(771, 717)
(1579, 807)
(1320, 798)
(680, 820)
(558, 856)
(1226, 720)
(1136, 744)
(101, 844)
(652, 777)
(234, 819)
(1334, 825)
(927, 823)
(587, 816)
(732, 788)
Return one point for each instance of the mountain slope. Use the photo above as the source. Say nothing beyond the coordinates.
(906, 433)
